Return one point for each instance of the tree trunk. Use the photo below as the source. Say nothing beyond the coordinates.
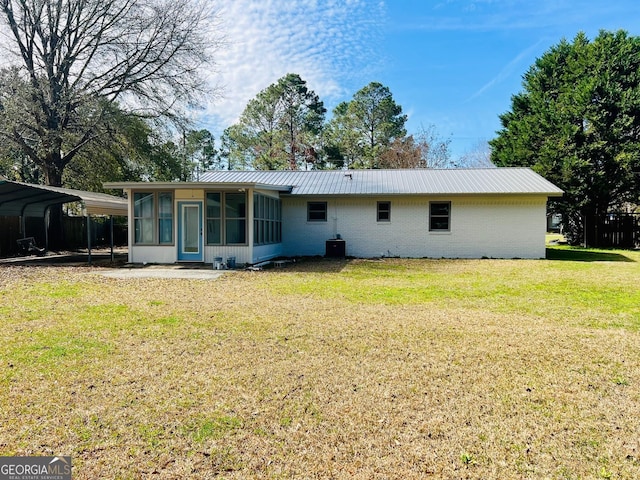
(53, 177)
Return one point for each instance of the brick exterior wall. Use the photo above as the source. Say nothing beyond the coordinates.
(481, 226)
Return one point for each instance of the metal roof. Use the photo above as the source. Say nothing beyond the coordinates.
(25, 199)
(499, 181)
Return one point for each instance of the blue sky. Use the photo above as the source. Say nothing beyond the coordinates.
(453, 64)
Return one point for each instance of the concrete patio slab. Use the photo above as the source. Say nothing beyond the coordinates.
(159, 272)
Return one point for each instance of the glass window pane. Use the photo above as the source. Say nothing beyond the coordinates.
(256, 203)
(439, 209)
(191, 229)
(235, 231)
(165, 214)
(165, 201)
(439, 223)
(166, 230)
(143, 205)
(214, 231)
(235, 205)
(143, 230)
(213, 205)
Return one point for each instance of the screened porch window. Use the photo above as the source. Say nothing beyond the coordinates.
(235, 218)
(267, 223)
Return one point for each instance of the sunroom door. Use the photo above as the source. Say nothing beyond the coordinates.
(190, 232)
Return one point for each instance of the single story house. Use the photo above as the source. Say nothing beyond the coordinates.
(255, 216)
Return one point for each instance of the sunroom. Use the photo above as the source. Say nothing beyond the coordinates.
(203, 223)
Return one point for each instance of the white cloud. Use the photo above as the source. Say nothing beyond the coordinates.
(330, 43)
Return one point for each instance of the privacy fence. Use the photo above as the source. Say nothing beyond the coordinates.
(75, 233)
(614, 230)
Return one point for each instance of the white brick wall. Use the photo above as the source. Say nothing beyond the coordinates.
(497, 227)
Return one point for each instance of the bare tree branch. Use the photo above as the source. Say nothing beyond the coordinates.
(77, 57)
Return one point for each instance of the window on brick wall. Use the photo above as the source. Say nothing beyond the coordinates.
(439, 216)
(317, 211)
(384, 212)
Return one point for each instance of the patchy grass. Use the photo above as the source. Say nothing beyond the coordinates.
(327, 369)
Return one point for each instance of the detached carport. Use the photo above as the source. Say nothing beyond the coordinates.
(23, 200)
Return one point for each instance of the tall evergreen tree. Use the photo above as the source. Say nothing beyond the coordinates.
(577, 122)
(364, 128)
(278, 129)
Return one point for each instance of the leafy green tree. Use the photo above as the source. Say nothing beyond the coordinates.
(342, 142)
(75, 59)
(364, 128)
(235, 150)
(198, 154)
(577, 122)
(280, 128)
(132, 150)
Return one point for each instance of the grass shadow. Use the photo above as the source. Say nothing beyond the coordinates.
(313, 265)
(575, 254)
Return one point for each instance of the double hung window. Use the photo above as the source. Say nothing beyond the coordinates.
(439, 216)
(384, 212)
(317, 211)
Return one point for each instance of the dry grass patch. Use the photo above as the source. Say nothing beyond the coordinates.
(360, 369)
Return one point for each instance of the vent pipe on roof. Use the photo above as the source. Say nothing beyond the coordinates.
(350, 175)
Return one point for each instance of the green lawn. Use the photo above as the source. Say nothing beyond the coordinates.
(387, 368)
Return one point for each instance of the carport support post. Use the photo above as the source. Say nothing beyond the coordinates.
(46, 228)
(89, 236)
(111, 222)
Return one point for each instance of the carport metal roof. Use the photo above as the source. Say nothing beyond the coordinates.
(28, 200)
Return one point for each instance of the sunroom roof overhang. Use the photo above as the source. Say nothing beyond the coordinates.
(197, 185)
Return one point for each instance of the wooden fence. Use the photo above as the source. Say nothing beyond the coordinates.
(614, 230)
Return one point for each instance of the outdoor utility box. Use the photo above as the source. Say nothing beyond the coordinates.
(336, 248)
